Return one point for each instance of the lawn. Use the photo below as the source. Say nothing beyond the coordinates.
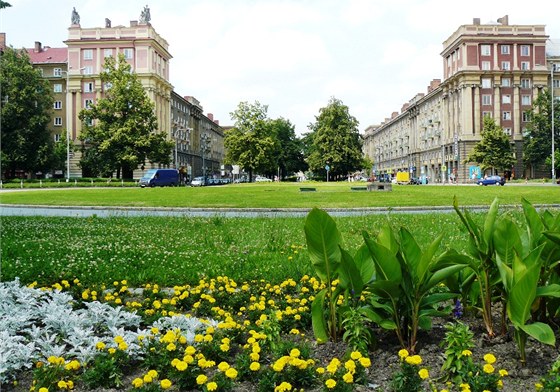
(284, 195)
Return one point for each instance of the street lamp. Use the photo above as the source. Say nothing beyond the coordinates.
(204, 140)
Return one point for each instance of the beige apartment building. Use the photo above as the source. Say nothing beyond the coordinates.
(494, 70)
(74, 74)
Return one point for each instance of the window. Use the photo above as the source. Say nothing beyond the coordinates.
(507, 131)
(525, 100)
(88, 54)
(525, 65)
(506, 82)
(486, 99)
(57, 88)
(57, 137)
(487, 114)
(88, 70)
(57, 72)
(486, 65)
(525, 51)
(525, 83)
(505, 65)
(506, 115)
(525, 117)
(506, 98)
(486, 83)
(57, 105)
(504, 49)
(88, 103)
(127, 53)
(58, 121)
(107, 52)
(556, 83)
(485, 50)
(88, 87)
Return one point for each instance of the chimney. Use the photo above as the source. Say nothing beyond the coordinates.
(476, 21)
(404, 107)
(133, 23)
(217, 122)
(394, 115)
(38, 47)
(210, 116)
(433, 85)
(504, 20)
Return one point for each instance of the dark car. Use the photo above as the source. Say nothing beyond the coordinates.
(491, 180)
(416, 181)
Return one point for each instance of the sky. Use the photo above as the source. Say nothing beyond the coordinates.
(293, 56)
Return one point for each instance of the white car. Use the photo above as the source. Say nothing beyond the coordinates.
(262, 179)
(197, 181)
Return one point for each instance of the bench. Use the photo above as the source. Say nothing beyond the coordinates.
(307, 189)
(380, 186)
(359, 188)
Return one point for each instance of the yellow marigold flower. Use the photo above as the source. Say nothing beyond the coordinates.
(423, 373)
(201, 379)
(284, 386)
(403, 353)
(355, 355)
(52, 359)
(490, 358)
(500, 383)
(165, 383)
(444, 390)
(320, 370)
(350, 365)
(123, 346)
(538, 387)
(154, 330)
(254, 356)
(137, 382)
(43, 389)
(147, 378)
(112, 350)
(171, 347)
(365, 362)
(254, 366)
(211, 386)
(73, 365)
(70, 384)
(330, 383)
(119, 339)
(153, 373)
(62, 384)
(488, 368)
(198, 338)
(224, 347)
(223, 366)
(466, 353)
(295, 353)
(231, 373)
(100, 345)
(503, 372)
(465, 387)
(181, 366)
(294, 331)
(190, 350)
(414, 360)
(348, 378)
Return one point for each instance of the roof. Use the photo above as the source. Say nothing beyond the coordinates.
(48, 55)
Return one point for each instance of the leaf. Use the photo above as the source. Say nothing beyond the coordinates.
(318, 317)
(364, 263)
(489, 222)
(387, 265)
(427, 258)
(411, 253)
(378, 319)
(350, 278)
(440, 275)
(551, 290)
(541, 332)
(323, 239)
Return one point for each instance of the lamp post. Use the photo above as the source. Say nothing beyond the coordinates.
(552, 69)
(204, 139)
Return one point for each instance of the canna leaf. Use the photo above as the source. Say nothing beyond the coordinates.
(323, 240)
(541, 332)
(318, 317)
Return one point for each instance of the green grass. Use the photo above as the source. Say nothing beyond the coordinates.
(171, 251)
(284, 195)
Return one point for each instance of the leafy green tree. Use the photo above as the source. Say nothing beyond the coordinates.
(537, 142)
(249, 143)
(494, 149)
(335, 140)
(27, 101)
(124, 134)
(290, 154)
(4, 4)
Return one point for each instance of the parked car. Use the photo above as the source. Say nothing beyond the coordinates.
(417, 181)
(198, 181)
(160, 177)
(262, 179)
(491, 180)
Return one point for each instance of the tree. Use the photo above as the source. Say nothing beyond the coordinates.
(537, 141)
(249, 143)
(123, 135)
(27, 101)
(494, 149)
(290, 154)
(335, 140)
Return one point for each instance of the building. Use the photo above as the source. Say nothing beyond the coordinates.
(199, 146)
(494, 70)
(74, 72)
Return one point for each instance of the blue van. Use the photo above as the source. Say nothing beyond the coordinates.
(160, 177)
